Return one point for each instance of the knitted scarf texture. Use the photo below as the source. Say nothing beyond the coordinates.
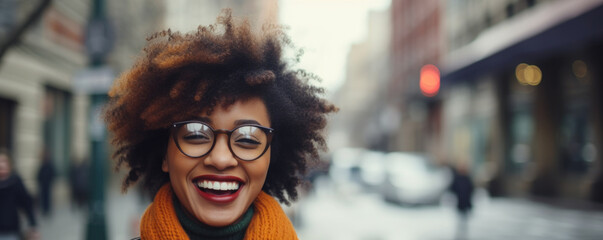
(197, 230)
(160, 222)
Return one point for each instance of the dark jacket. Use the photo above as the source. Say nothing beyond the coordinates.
(14, 196)
(462, 187)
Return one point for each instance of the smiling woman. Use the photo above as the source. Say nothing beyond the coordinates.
(216, 125)
(218, 186)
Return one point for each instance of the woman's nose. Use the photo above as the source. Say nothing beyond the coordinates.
(220, 156)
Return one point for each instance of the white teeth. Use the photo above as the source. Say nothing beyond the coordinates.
(215, 185)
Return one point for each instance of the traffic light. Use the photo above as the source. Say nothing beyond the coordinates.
(430, 80)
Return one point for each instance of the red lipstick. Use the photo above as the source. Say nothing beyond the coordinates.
(218, 196)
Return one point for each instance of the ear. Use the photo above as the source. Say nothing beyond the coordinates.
(164, 165)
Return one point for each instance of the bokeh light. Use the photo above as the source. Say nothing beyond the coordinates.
(528, 74)
(519, 73)
(579, 69)
(430, 80)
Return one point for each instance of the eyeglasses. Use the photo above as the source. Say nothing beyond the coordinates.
(246, 142)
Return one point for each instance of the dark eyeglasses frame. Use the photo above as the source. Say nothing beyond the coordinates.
(268, 131)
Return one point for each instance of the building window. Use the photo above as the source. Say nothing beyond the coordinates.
(8, 17)
(57, 121)
(7, 109)
(488, 20)
(510, 9)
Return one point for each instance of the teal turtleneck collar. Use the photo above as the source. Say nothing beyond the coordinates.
(198, 230)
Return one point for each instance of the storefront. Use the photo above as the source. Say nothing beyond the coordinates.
(544, 135)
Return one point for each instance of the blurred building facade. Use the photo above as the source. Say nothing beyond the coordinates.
(529, 72)
(187, 15)
(36, 98)
(362, 96)
(40, 107)
(416, 40)
(520, 90)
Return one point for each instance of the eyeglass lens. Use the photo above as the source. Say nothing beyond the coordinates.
(246, 142)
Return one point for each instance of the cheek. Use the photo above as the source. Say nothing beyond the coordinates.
(260, 170)
(173, 161)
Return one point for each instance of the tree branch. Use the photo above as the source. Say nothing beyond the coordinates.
(15, 35)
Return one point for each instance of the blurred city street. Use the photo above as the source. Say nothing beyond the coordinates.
(355, 214)
(504, 95)
(68, 222)
(351, 212)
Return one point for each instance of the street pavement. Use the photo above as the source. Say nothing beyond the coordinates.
(68, 222)
(352, 213)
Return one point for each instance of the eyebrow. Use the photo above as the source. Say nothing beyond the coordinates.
(237, 122)
(246, 121)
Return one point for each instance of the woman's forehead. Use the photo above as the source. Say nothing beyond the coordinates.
(251, 109)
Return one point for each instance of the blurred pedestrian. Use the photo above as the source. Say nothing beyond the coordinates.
(79, 179)
(14, 197)
(217, 125)
(46, 175)
(462, 187)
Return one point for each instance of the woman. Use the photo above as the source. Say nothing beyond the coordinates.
(14, 197)
(217, 125)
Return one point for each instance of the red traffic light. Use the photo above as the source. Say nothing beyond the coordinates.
(430, 80)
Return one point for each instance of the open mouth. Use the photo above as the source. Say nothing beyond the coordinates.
(219, 188)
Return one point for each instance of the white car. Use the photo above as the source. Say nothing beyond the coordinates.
(411, 179)
(372, 169)
(345, 165)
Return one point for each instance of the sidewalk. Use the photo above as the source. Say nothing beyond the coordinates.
(122, 212)
(327, 214)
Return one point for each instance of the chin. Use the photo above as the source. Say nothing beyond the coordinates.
(219, 221)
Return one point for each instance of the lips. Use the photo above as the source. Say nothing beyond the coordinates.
(218, 189)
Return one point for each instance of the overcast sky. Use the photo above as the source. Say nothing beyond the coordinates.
(325, 29)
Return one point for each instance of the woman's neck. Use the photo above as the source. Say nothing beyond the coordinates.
(198, 230)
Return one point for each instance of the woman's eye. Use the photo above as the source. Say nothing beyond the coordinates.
(196, 138)
(247, 142)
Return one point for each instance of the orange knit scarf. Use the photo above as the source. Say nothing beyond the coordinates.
(159, 222)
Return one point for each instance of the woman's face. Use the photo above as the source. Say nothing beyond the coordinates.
(219, 166)
(4, 167)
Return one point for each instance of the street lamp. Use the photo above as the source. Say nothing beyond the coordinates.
(99, 42)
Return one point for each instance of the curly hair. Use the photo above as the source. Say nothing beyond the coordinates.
(180, 75)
